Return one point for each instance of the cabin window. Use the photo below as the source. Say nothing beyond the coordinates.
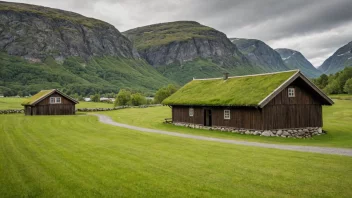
(55, 100)
(227, 114)
(291, 92)
(191, 112)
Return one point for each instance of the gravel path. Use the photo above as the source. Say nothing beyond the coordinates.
(325, 150)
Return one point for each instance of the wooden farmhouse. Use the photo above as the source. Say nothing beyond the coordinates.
(281, 100)
(49, 102)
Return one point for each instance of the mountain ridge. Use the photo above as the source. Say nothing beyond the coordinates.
(260, 54)
(295, 60)
(45, 48)
(341, 58)
(181, 50)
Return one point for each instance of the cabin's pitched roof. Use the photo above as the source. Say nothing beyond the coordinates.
(250, 90)
(42, 95)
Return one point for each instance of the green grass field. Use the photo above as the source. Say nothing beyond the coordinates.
(341, 96)
(337, 122)
(15, 103)
(76, 156)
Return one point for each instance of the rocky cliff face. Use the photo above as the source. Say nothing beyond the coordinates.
(338, 61)
(295, 60)
(36, 32)
(45, 48)
(184, 41)
(260, 54)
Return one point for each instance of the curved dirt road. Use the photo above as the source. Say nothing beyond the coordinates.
(324, 150)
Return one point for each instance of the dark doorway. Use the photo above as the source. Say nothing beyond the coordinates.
(207, 117)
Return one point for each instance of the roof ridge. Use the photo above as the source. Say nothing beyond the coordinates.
(262, 74)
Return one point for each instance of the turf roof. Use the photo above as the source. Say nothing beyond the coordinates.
(235, 91)
(37, 96)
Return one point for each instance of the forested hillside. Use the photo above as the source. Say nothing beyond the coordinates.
(45, 48)
(339, 83)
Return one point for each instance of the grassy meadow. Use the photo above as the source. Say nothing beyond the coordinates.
(337, 122)
(15, 103)
(76, 156)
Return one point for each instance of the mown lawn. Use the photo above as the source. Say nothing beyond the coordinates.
(341, 96)
(15, 103)
(337, 122)
(76, 156)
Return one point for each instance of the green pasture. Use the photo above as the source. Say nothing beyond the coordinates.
(337, 122)
(76, 156)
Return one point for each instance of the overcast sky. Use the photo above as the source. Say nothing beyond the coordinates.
(317, 28)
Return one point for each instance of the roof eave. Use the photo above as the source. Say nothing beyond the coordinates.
(267, 99)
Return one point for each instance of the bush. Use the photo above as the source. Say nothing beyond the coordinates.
(123, 98)
(164, 92)
(138, 99)
(348, 86)
(95, 98)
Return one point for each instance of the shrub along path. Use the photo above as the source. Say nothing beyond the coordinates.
(324, 150)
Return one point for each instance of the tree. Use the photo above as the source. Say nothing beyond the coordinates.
(348, 86)
(322, 81)
(123, 98)
(164, 92)
(333, 88)
(138, 99)
(95, 98)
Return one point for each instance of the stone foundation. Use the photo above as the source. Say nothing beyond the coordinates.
(285, 133)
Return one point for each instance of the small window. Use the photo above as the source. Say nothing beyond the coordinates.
(191, 112)
(291, 92)
(52, 100)
(55, 100)
(227, 115)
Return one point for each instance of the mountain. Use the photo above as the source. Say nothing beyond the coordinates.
(295, 60)
(260, 54)
(339, 60)
(44, 48)
(182, 50)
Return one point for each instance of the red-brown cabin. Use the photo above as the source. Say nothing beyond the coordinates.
(50, 102)
(280, 100)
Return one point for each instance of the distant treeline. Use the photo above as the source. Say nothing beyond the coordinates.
(338, 83)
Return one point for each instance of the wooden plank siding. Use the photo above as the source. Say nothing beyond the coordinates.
(303, 110)
(282, 112)
(248, 118)
(66, 107)
(181, 114)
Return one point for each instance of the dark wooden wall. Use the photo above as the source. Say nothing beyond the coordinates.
(303, 110)
(282, 112)
(181, 114)
(241, 117)
(67, 107)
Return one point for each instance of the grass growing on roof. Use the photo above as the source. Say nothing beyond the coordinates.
(237, 91)
(35, 97)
